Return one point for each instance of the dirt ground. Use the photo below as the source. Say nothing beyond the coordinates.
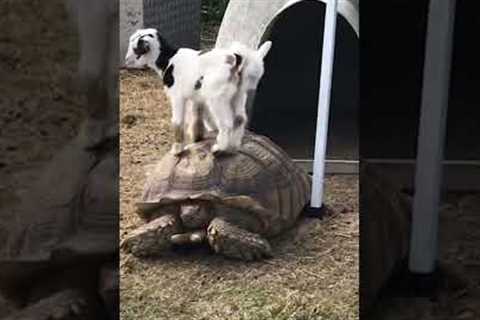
(458, 293)
(39, 110)
(314, 274)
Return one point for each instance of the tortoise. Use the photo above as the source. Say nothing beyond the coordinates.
(234, 202)
(59, 247)
(385, 220)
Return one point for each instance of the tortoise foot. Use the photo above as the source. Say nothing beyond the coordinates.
(234, 242)
(65, 305)
(152, 238)
(109, 289)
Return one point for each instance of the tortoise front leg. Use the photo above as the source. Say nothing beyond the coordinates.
(233, 241)
(64, 305)
(152, 238)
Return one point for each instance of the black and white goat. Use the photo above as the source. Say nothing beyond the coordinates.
(213, 83)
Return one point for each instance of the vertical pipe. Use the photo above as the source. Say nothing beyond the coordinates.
(326, 68)
(428, 175)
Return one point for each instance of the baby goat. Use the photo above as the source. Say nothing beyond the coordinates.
(217, 79)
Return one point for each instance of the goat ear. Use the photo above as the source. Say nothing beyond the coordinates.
(264, 48)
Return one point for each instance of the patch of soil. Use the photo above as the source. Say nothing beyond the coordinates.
(314, 272)
(39, 110)
(458, 293)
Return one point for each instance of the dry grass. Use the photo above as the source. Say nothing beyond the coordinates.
(458, 293)
(314, 274)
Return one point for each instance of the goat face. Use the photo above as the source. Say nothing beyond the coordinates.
(253, 65)
(143, 49)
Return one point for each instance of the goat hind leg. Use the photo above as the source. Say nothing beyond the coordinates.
(178, 120)
(197, 126)
(97, 23)
(208, 121)
(239, 121)
(96, 27)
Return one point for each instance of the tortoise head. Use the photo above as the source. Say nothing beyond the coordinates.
(195, 215)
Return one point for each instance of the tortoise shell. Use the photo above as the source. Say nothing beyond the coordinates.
(260, 178)
(70, 212)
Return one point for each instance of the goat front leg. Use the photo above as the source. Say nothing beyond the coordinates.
(240, 120)
(178, 120)
(223, 115)
(197, 125)
(208, 121)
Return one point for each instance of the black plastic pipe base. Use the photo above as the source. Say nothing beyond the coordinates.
(413, 284)
(312, 212)
(424, 284)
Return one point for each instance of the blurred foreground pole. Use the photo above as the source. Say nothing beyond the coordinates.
(431, 139)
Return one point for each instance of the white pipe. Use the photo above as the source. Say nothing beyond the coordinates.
(431, 139)
(328, 53)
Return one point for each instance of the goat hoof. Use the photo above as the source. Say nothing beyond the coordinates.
(189, 147)
(217, 151)
(177, 149)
